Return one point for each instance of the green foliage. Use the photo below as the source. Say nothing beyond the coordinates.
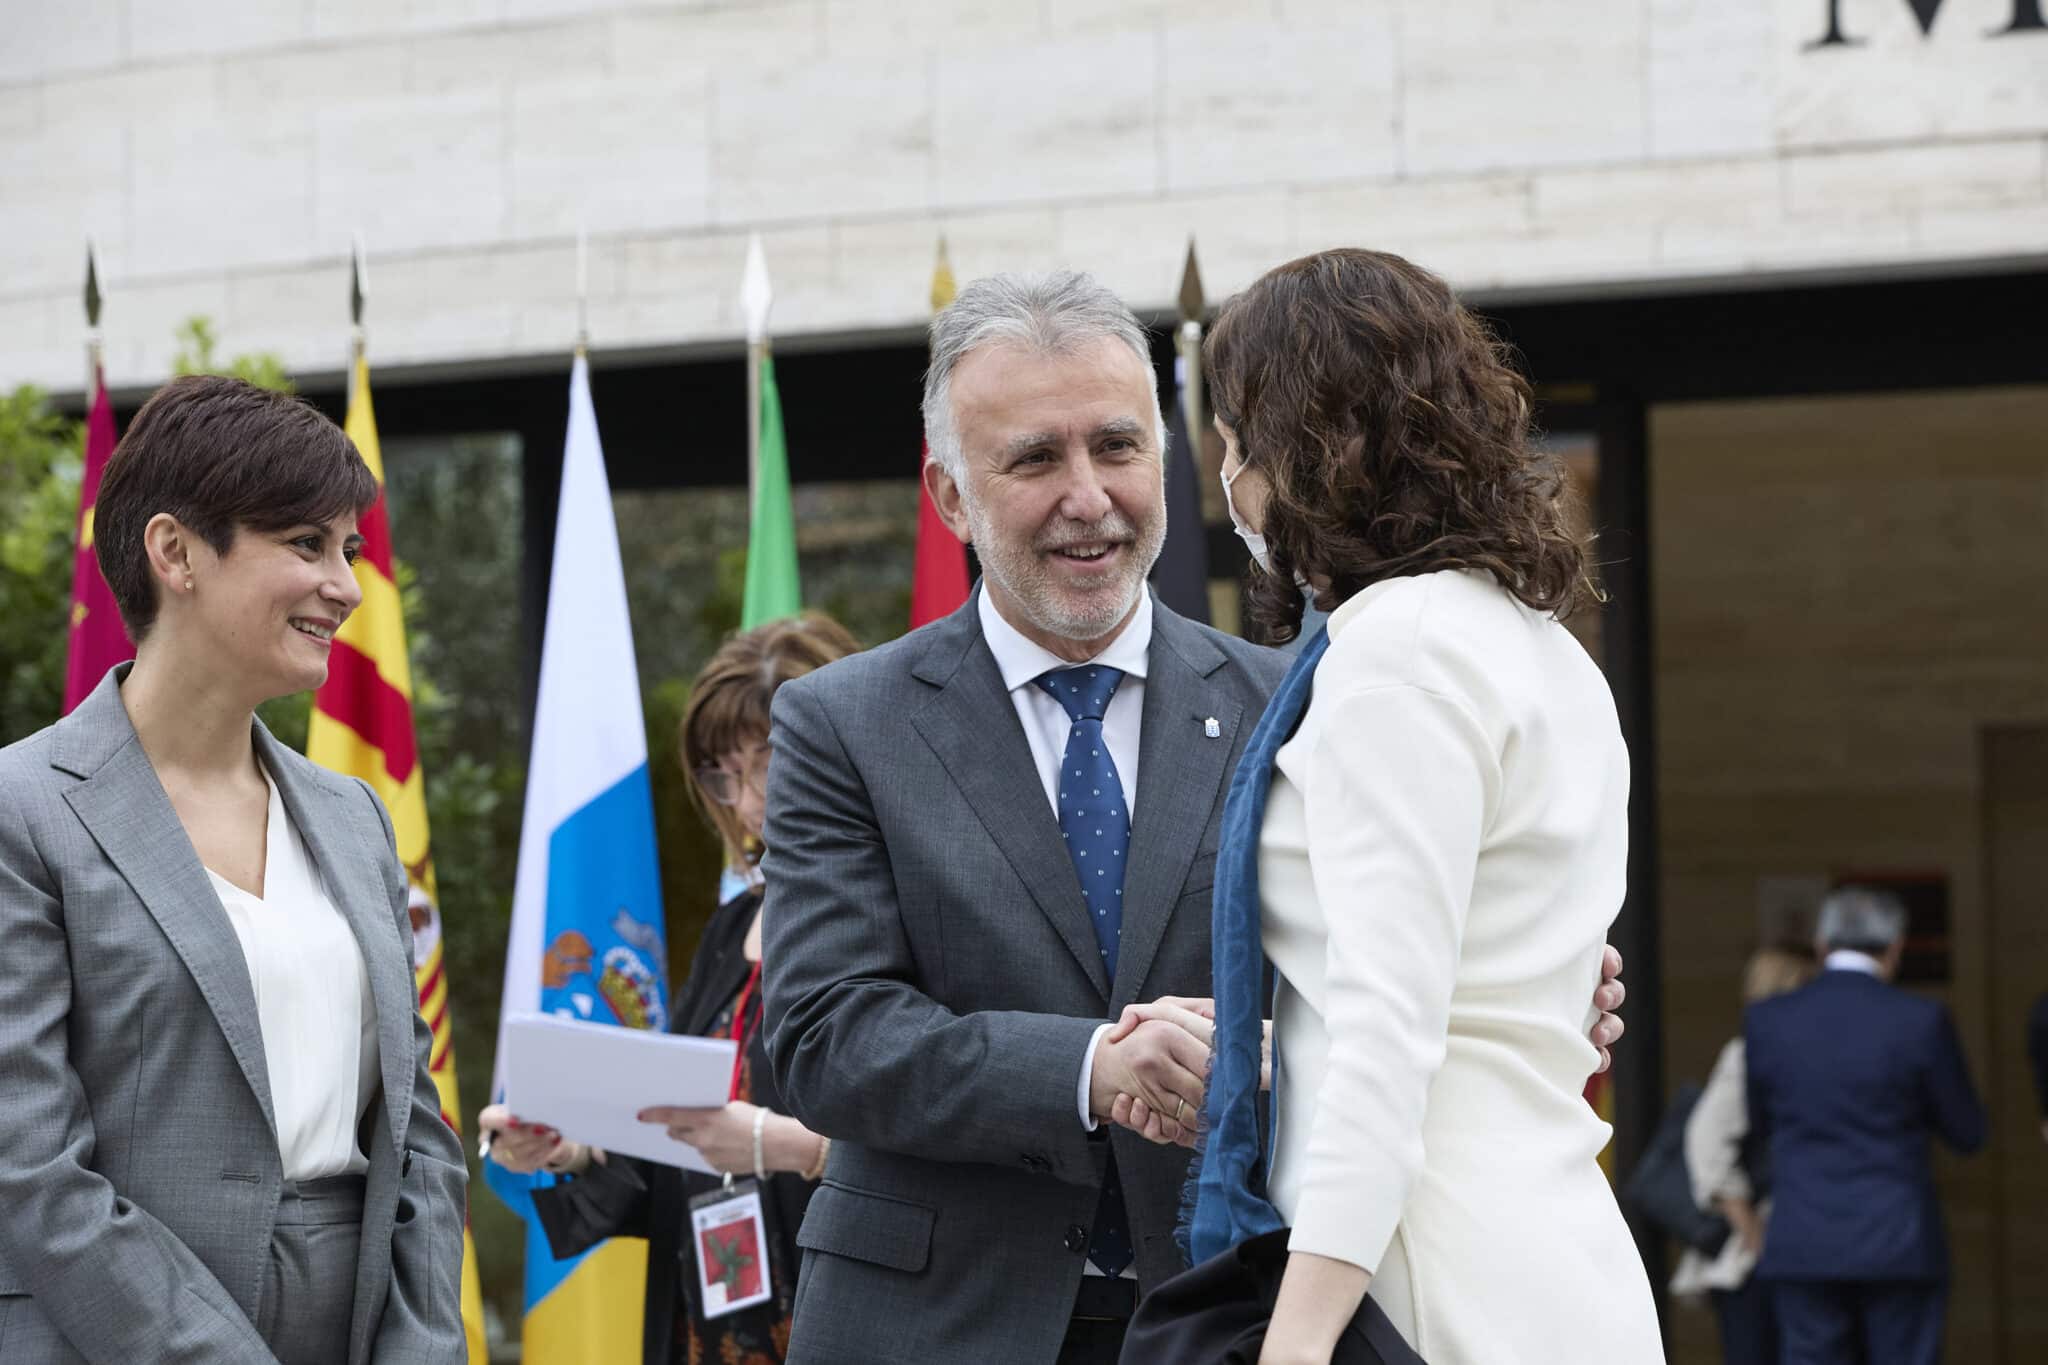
(196, 340)
(41, 458)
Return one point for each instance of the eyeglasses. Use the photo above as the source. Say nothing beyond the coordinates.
(725, 786)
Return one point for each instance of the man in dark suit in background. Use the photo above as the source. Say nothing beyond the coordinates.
(1848, 1079)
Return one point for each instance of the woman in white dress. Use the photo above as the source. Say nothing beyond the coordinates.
(1444, 841)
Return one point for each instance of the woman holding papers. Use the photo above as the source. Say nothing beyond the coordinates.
(734, 1241)
(219, 1140)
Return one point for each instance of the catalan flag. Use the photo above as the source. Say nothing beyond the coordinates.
(362, 725)
(98, 640)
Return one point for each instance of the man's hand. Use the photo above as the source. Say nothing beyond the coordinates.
(1607, 998)
(1158, 1054)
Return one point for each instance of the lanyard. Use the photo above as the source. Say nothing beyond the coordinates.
(741, 1028)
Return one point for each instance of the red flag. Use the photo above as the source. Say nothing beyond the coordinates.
(938, 583)
(98, 640)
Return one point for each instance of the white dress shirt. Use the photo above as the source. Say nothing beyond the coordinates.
(1445, 846)
(313, 1004)
(1022, 662)
(1849, 960)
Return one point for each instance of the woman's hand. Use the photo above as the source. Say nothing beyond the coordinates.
(1318, 1298)
(724, 1136)
(1607, 998)
(523, 1148)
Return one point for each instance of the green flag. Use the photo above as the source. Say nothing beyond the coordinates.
(772, 591)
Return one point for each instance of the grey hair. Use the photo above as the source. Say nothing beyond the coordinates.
(1862, 919)
(1051, 314)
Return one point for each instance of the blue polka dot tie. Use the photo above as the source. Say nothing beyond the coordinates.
(1095, 822)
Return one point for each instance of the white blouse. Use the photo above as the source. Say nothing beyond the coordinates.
(1445, 846)
(313, 1004)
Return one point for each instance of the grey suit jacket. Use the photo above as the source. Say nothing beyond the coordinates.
(139, 1165)
(933, 983)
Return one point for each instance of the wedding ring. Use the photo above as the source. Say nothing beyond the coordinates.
(1179, 1104)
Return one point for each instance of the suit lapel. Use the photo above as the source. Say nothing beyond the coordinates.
(972, 726)
(1180, 772)
(123, 806)
(352, 867)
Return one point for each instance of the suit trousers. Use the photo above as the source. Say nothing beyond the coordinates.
(1860, 1322)
(309, 1285)
(1749, 1323)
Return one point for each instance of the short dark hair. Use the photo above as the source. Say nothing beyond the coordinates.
(220, 455)
(1394, 435)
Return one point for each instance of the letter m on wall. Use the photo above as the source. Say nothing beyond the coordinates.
(2026, 17)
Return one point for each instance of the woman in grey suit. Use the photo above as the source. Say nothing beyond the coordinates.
(219, 1141)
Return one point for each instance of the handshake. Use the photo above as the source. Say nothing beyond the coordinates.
(1152, 1066)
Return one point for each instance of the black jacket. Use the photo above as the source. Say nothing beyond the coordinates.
(2037, 1049)
(627, 1197)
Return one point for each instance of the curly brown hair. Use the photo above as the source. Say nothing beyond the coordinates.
(1394, 436)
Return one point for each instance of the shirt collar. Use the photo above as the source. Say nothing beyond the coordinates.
(1849, 960)
(1021, 660)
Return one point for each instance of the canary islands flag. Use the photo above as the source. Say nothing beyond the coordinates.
(586, 938)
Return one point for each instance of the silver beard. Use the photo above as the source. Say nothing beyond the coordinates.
(1022, 576)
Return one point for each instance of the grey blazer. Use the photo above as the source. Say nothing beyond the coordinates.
(139, 1166)
(933, 984)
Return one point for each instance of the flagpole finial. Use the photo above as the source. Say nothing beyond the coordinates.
(358, 286)
(1191, 301)
(943, 285)
(92, 287)
(756, 293)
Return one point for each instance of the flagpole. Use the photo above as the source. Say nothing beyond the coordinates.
(582, 289)
(1189, 342)
(756, 294)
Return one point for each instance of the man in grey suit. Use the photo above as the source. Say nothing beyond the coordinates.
(940, 984)
(985, 841)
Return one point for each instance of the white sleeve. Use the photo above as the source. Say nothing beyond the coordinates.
(1088, 1077)
(1401, 785)
(1715, 1130)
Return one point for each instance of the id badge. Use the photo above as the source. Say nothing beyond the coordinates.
(730, 1235)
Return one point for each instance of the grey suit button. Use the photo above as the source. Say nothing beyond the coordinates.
(1077, 1238)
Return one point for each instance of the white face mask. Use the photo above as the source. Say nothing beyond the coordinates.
(1253, 540)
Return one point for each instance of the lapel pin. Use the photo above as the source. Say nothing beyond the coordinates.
(1211, 728)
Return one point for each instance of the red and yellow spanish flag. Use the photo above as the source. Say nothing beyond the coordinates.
(362, 726)
(98, 640)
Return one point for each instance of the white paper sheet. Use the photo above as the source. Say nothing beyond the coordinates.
(587, 1081)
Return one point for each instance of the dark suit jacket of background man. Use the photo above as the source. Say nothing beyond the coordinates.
(1849, 1079)
(2037, 1050)
(933, 982)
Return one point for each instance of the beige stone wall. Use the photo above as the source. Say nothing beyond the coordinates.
(222, 153)
(1848, 590)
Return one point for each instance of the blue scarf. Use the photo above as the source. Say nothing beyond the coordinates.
(1226, 1202)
